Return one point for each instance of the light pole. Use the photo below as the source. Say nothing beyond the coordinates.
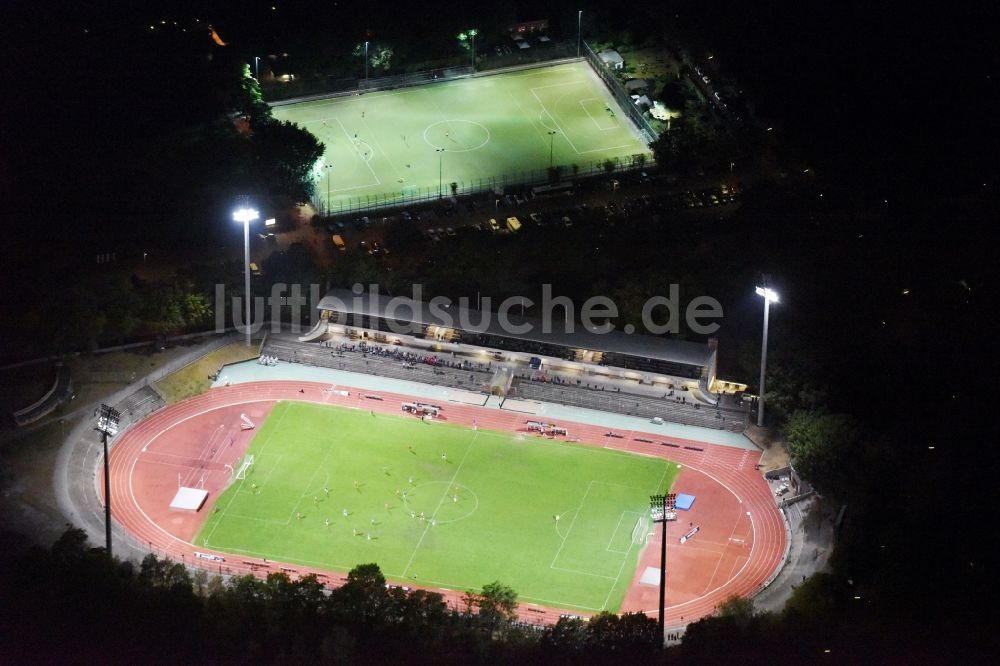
(472, 36)
(327, 167)
(366, 62)
(246, 215)
(770, 296)
(107, 424)
(440, 152)
(658, 511)
(256, 67)
(552, 138)
(579, 23)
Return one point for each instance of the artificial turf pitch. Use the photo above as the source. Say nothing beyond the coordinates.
(488, 499)
(384, 144)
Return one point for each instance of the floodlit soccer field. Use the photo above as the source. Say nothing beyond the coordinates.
(441, 505)
(385, 144)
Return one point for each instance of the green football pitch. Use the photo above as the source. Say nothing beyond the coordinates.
(492, 129)
(441, 505)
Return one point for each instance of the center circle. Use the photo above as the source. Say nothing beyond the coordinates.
(456, 136)
(457, 503)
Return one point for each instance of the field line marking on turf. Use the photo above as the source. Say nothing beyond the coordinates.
(271, 471)
(555, 119)
(232, 497)
(541, 137)
(556, 85)
(440, 502)
(347, 135)
(582, 573)
(235, 494)
(266, 521)
(597, 150)
(625, 559)
(572, 522)
(597, 124)
(615, 532)
(378, 143)
(309, 484)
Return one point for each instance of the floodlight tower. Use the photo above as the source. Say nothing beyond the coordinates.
(107, 424)
(440, 152)
(579, 23)
(327, 167)
(256, 67)
(658, 512)
(552, 137)
(366, 62)
(472, 36)
(770, 296)
(246, 215)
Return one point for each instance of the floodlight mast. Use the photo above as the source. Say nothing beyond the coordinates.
(440, 152)
(770, 296)
(246, 215)
(107, 424)
(658, 504)
(327, 167)
(579, 23)
(472, 35)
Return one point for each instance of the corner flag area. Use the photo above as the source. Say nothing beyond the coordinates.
(440, 505)
(478, 132)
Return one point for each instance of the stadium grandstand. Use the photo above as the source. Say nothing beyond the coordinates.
(402, 338)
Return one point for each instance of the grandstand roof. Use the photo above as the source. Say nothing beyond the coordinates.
(407, 310)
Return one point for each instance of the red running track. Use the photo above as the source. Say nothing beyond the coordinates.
(739, 546)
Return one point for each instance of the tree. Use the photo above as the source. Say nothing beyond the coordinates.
(823, 447)
(568, 635)
(249, 101)
(286, 155)
(495, 605)
(631, 632)
(364, 595)
(382, 58)
(738, 608)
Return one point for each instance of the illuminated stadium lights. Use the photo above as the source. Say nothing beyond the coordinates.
(246, 215)
(107, 424)
(767, 293)
(468, 41)
(770, 296)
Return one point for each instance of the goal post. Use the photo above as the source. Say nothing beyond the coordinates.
(244, 468)
(640, 531)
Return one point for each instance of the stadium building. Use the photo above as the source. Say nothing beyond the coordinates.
(641, 375)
